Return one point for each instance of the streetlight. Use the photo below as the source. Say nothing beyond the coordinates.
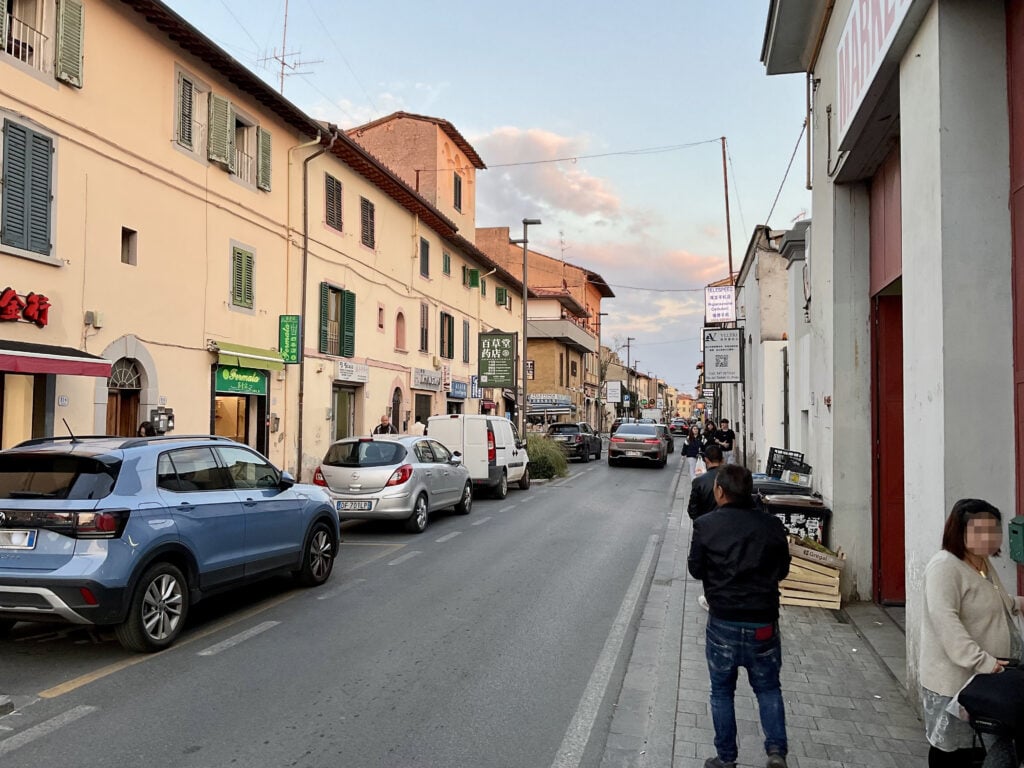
(526, 291)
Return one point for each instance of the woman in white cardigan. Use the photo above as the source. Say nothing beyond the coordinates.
(969, 627)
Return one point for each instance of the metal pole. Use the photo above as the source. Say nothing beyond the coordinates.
(728, 226)
(526, 291)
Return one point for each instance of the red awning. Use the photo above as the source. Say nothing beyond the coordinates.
(21, 357)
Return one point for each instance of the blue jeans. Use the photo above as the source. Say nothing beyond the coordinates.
(729, 646)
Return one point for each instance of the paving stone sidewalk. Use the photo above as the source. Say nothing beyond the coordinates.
(843, 705)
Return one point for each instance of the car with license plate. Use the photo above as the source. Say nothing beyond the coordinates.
(666, 433)
(132, 532)
(577, 439)
(678, 426)
(637, 442)
(387, 477)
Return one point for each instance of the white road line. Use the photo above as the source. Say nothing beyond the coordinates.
(343, 588)
(503, 510)
(43, 729)
(406, 556)
(578, 734)
(241, 637)
(448, 537)
(481, 521)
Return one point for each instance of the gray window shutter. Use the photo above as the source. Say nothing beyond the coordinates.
(263, 157)
(221, 133)
(70, 39)
(27, 189)
(325, 314)
(3, 26)
(186, 111)
(348, 333)
(40, 198)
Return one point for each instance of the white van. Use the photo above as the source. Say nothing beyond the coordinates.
(490, 447)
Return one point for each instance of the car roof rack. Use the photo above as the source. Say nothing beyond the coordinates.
(62, 439)
(134, 442)
(126, 442)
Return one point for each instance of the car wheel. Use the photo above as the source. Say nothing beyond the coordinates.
(6, 625)
(465, 505)
(156, 614)
(417, 522)
(524, 481)
(501, 490)
(611, 462)
(318, 559)
(661, 464)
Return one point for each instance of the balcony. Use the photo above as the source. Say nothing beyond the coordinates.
(27, 45)
(565, 331)
(245, 167)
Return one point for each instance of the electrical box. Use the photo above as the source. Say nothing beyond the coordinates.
(1017, 539)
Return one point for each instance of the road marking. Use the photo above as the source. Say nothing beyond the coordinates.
(368, 544)
(480, 521)
(448, 537)
(241, 637)
(506, 509)
(578, 734)
(343, 588)
(406, 556)
(12, 743)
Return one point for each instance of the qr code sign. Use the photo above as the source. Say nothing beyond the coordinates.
(721, 361)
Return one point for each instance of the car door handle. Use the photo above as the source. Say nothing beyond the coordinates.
(428, 474)
(249, 502)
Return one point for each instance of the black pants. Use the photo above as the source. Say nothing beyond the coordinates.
(961, 758)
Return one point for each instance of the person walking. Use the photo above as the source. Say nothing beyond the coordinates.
(969, 628)
(692, 449)
(710, 433)
(741, 555)
(726, 440)
(702, 489)
(146, 429)
(385, 427)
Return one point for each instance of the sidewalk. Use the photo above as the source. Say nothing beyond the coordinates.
(844, 705)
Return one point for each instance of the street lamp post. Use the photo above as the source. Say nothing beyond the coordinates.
(526, 291)
(600, 376)
(629, 376)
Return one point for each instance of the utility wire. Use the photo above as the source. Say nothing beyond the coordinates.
(656, 290)
(786, 175)
(643, 151)
(240, 25)
(736, 187)
(337, 47)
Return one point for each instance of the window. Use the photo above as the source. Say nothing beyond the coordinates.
(129, 246)
(337, 321)
(561, 369)
(446, 262)
(447, 333)
(26, 205)
(248, 470)
(572, 369)
(380, 317)
(424, 328)
(501, 297)
(424, 258)
(400, 331)
(190, 469)
(465, 341)
(332, 194)
(457, 192)
(237, 144)
(483, 287)
(366, 220)
(242, 263)
(189, 130)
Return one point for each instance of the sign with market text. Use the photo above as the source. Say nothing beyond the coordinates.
(496, 359)
(723, 362)
(241, 381)
(720, 304)
(288, 338)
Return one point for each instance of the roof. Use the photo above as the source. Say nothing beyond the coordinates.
(444, 125)
(598, 282)
(564, 298)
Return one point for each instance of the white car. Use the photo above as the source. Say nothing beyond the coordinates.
(387, 477)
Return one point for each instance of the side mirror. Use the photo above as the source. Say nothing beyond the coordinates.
(520, 444)
(456, 459)
(287, 481)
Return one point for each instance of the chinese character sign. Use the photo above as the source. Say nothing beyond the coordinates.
(720, 304)
(496, 364)
(31, 308)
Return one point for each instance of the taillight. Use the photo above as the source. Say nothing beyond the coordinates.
(653, 441)
(319, 479)
(100, 525)
(400, 475)
(616, 439)
(88, 596)
(492, 454)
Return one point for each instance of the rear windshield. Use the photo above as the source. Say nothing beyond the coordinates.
(563, 429)
(43, 476)
(364, 454)
(637, 429)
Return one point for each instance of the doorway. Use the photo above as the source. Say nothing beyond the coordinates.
(123, 389)
(344, 412)
(423, 406)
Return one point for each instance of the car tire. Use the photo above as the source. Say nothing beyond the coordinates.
(318, 557)
(465, 505)
(157, 611)
(524, 481)
(417, 522)
(501, 489)
(661, 464)
(6, 625)
(612, 462)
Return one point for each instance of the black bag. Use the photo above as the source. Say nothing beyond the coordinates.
(997, 701)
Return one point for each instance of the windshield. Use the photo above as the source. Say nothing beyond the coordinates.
(45, 476)
(563, 429)
(364, 453)
(645, 430)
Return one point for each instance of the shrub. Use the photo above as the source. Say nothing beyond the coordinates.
(547, 459)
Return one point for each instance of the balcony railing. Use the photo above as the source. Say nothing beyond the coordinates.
(26, 44)
(245, 167)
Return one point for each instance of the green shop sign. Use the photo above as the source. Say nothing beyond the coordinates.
(288, 338)
(497, 359)
(241, 381)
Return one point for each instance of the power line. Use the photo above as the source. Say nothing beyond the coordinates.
(736, 186)
(574, 158)
(786, 175)
(655, 290)
(240, 25)
(337, 47)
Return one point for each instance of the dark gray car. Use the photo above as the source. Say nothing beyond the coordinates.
(577, 439)
(640, 442)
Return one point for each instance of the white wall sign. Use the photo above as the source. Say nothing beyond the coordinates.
(423, 378)
(722, 355)
(357, 372)
(614, 392)
(720, 304)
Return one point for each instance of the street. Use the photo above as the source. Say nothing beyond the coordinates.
(496, 639)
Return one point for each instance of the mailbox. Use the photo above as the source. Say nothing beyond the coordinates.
(1017, 539)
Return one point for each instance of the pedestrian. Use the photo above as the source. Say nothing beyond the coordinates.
(385, 427)
(702, 488)
(418, 427)
(726, 439)
(692, 447)
(741, 555)
(968, 628)
(709, 433)
(146, 429)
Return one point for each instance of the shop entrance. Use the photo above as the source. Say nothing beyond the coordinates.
(423, 406)
(344, 412)
(240, 406)
(454, 406)
(123, 389)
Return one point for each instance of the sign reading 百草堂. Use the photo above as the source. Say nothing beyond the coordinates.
(496, 361)
(723, 355)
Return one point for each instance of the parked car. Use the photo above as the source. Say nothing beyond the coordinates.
(577, 439)
(491, 449)
(131, 532)
(665, 432)
(679, 426)
(638, 441)
(386, 477)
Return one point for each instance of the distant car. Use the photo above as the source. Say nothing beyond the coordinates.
(678, 426)
(628, 420)
(577, 439)
(638, 441)
(667, 434)
(388, 477)
(131, 532)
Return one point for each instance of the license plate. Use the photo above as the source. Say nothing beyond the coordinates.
(634, 453)
(17, 539)
(354, 506)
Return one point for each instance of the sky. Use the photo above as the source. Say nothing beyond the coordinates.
(625, 105)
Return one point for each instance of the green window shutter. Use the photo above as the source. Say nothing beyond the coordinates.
(500, 297)
(325, 314)
(70, 39)
(332, 194)
(3, 25)
(263, 159)
(446, 262)
(424, 258)
(483, 287)
(221, 133)
(451, 337)
(465, 275)
(186, 111)
(27, 203)
(348, 333)
(242, 278)
(457, 192)
(366, 215)
(474, 279)
(465, 341)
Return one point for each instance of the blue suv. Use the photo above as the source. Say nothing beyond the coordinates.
(131, 532)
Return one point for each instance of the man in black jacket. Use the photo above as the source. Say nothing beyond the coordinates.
(741, 554)
(702, 490)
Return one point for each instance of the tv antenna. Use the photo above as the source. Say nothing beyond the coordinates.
(288, 59)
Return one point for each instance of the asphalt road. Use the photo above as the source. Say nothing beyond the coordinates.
(494, 639)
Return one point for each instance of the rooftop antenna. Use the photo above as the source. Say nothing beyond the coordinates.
(283, 57)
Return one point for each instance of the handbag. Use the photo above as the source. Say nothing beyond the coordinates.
(996, 700)
(700, 468)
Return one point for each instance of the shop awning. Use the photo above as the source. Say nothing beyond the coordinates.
(247, 357)
(22, 357)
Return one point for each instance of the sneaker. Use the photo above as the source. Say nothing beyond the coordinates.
(703, 603)
(714, 762)
(775, 760)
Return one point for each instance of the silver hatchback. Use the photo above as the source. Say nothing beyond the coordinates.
(385, 477)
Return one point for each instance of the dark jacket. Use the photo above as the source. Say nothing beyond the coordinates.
(702, 494)
(693, 447)
(741, 555)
